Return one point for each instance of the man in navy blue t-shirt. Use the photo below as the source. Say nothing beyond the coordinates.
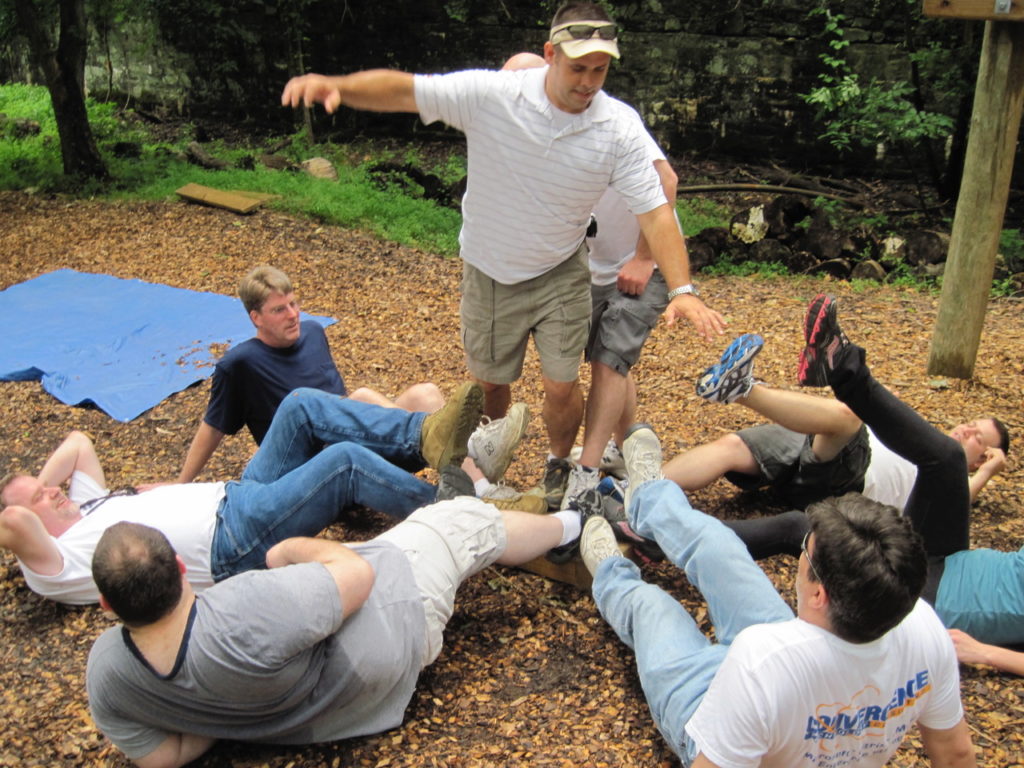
(285, 354)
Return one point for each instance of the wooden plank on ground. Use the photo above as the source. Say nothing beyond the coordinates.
(261, 196)
(1012, 10)
(573, 572)
(219, 198)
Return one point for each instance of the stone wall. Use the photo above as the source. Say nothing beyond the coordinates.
(709, 77)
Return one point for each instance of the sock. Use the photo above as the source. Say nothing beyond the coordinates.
(482, 487)
(571, 526)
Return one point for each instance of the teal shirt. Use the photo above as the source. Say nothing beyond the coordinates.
(982, 593)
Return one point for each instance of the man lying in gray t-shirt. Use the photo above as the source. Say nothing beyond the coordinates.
(325, 645)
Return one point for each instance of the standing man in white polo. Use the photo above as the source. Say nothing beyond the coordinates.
(543, 146)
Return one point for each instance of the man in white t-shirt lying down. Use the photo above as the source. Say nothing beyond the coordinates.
(840, 684)
(323, 454)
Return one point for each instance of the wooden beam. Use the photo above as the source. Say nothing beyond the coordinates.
(975, 9)
(197, 193)
(981, 207)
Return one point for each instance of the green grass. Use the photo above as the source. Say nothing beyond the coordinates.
(354, 201)
(697, 214)
(725, 268)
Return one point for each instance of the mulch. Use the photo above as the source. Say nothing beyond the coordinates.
(530, 674)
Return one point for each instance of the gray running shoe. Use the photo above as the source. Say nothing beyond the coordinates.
(556, 476)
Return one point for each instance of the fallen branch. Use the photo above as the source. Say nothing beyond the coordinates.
(852, 202)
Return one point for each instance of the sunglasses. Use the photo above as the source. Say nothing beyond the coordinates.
(586, 31)
(803, 549)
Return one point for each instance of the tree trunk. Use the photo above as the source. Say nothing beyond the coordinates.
(64, 69)
(998, 102)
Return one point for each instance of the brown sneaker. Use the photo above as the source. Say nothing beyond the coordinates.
(445, 432)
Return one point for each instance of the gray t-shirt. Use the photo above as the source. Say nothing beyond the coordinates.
(267, 657)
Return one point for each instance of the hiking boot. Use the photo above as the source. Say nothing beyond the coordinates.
(590, 503)
(445, 432)
(493, 442)
(580, 480)
(597, 543)
(556, 475)
(642, 451)
(825, 339)
(732, 376)
(612, 462)
(531, 501)
(452, 483)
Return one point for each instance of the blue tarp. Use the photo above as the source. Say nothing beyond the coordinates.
(123, 345)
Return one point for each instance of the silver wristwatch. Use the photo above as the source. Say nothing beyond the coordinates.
(683, 289)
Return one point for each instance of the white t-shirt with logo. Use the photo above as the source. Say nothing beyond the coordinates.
(792, 694)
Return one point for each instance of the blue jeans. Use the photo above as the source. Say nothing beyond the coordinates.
(322, 454)
(675, 661)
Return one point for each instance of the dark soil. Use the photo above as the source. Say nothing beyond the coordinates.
(531, 674)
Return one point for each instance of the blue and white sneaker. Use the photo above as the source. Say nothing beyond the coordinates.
(732, 376)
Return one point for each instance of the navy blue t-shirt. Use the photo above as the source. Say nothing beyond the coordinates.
(252, 379)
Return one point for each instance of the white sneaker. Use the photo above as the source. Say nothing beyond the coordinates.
(642, 451)
(580, 480)
(493, 443)
(597, 543)
(612, 462)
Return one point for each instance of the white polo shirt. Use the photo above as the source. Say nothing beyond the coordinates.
(535, 172)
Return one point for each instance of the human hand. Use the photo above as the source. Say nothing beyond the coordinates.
(968, 650)
(311, 89)
(707, 322)
(993, 460)
(634, 276)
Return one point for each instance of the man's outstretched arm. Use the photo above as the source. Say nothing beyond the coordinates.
(76, 453)
(971, 651)
(375, 90)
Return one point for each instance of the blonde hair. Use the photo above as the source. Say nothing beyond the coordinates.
(255, 287)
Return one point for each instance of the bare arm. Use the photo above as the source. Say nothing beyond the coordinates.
(376, 90)
(176, 750)
(352, 574)
(995, 461)
(950, 747)
(662, 234)
(971, 651)
(203, 445)
(22, 532)
(636, 272)
(76, 453)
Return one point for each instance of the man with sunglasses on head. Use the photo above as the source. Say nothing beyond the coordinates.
(543, 146)
(838, 684)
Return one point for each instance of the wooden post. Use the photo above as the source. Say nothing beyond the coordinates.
(995, 123)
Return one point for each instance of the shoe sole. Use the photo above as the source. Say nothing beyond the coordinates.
(470, 397)
(520, 413)
(737, 354)
(819, 320)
